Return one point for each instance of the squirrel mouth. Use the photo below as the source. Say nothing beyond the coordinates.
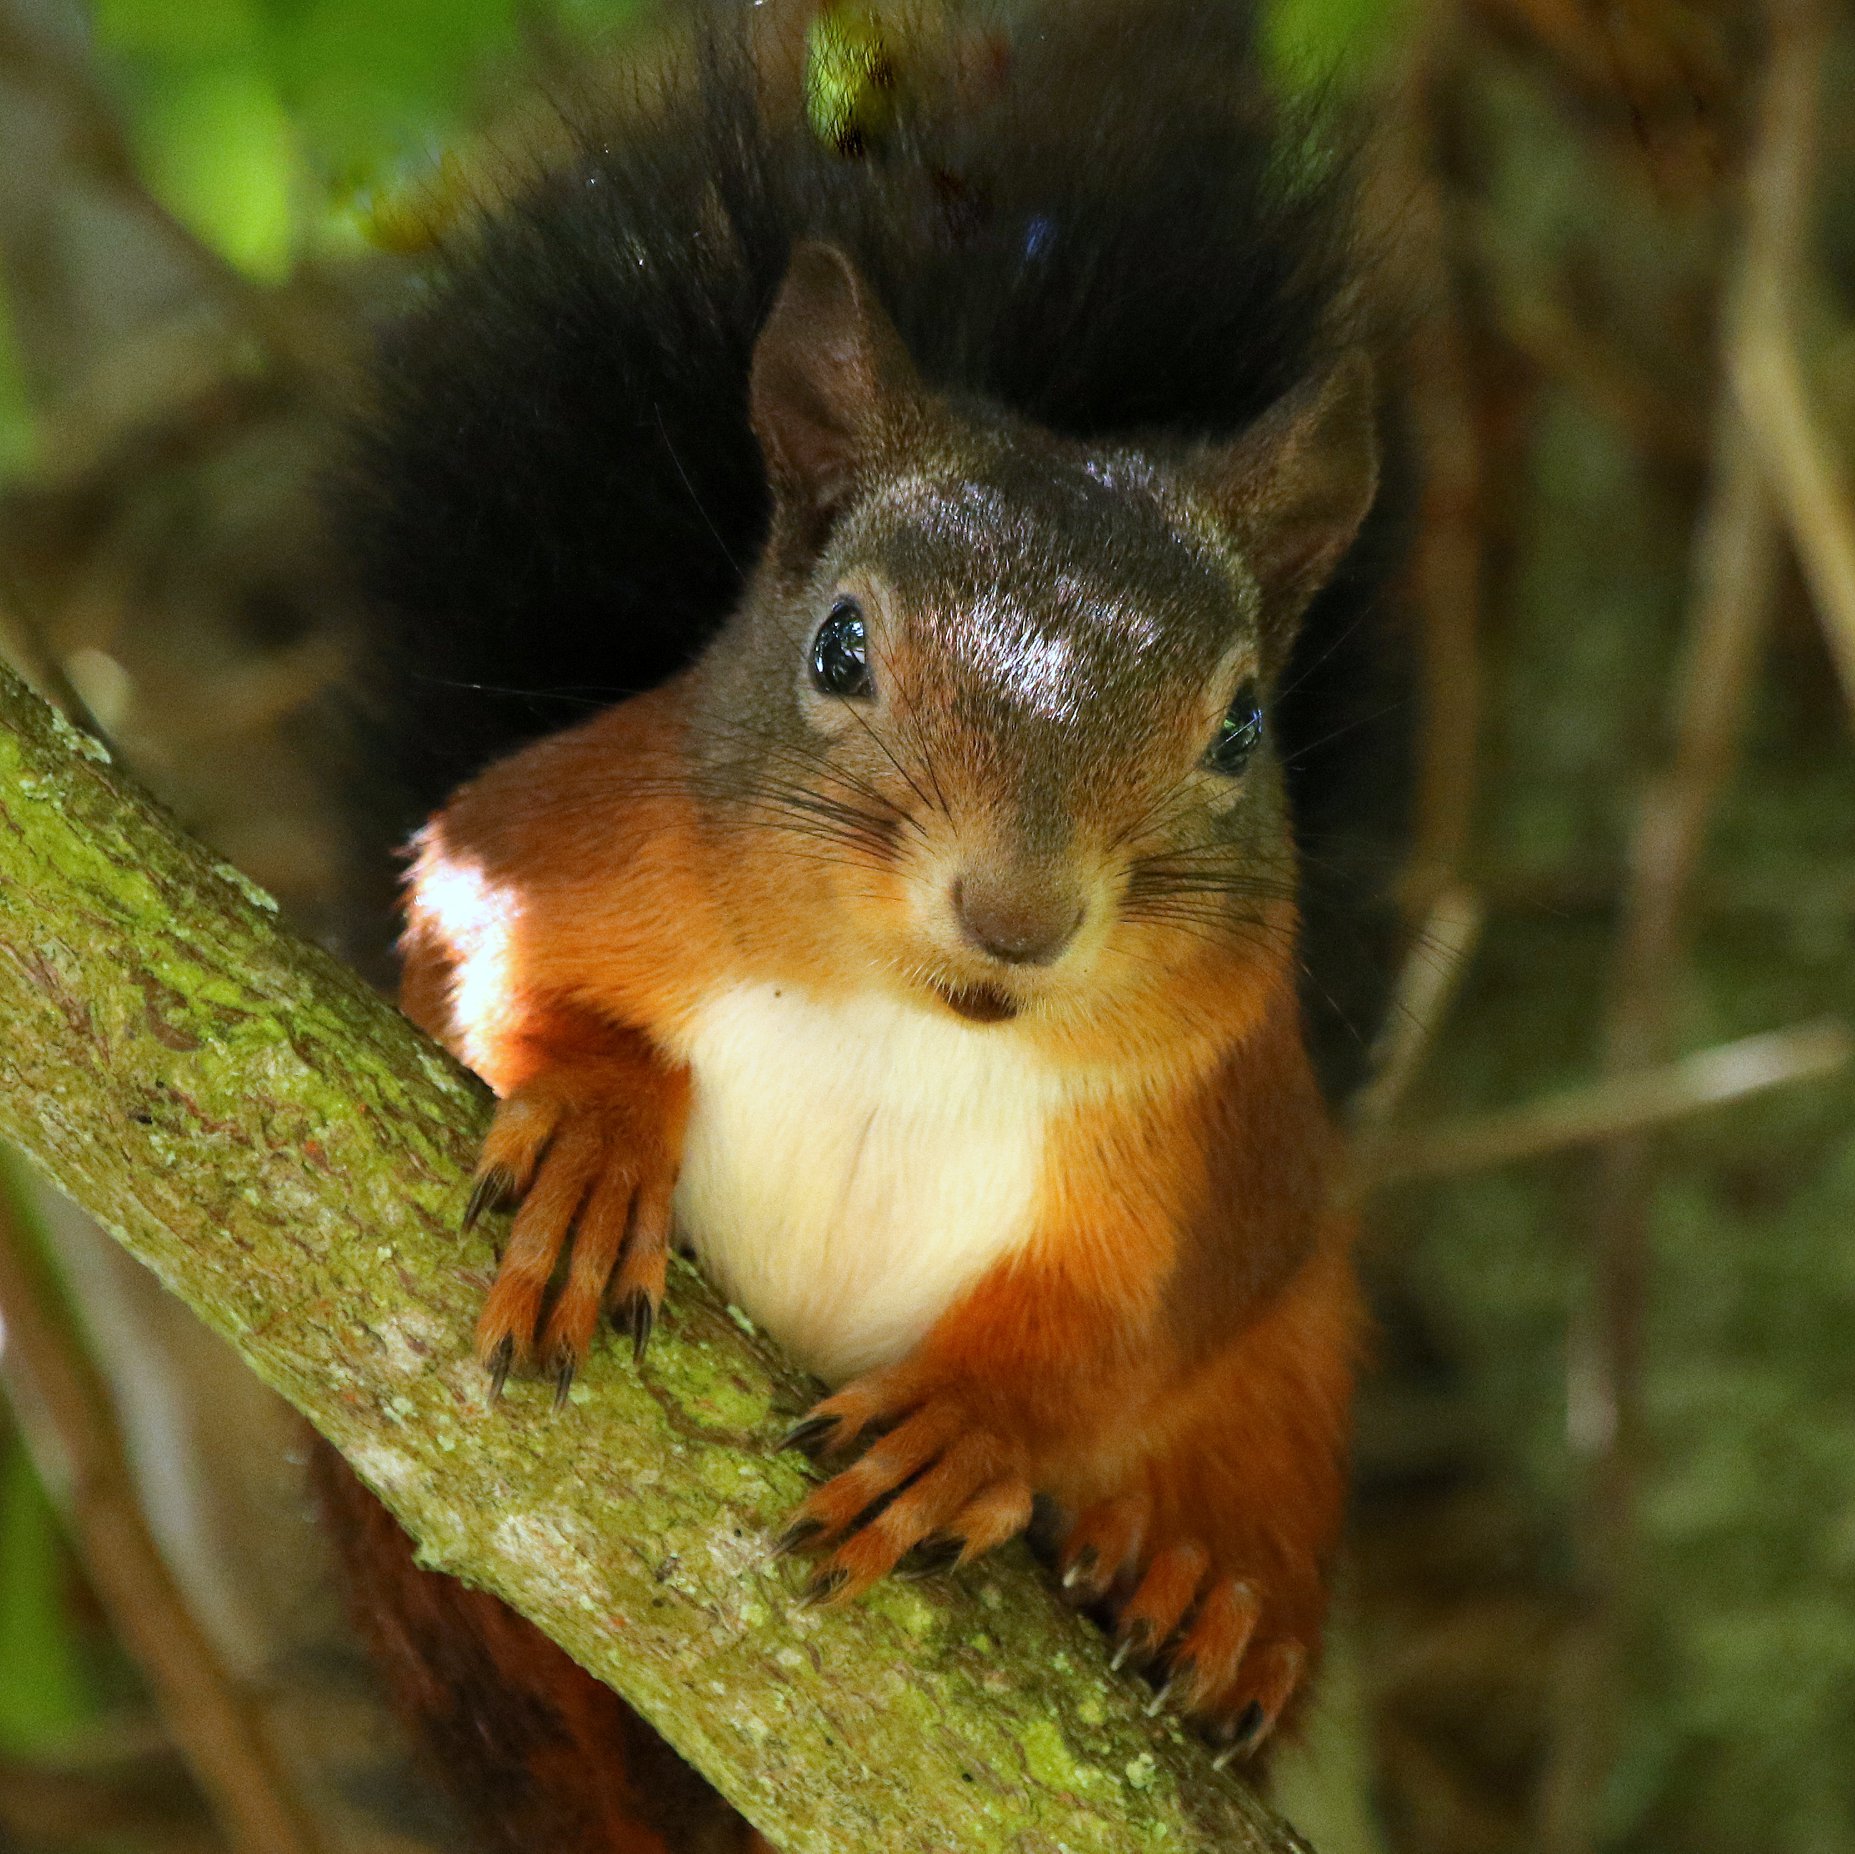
(978, 1004)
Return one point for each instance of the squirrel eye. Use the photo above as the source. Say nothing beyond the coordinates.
(1239, 733)
(840, 652)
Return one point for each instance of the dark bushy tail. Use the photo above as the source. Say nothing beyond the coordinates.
(1091, 213)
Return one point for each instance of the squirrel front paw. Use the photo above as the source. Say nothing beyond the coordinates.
(930, 1490)
(1222, 1648)
(589, 1153)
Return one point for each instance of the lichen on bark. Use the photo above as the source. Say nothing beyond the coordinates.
(289, 1154)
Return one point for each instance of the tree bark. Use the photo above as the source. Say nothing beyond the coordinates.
(289, 1154)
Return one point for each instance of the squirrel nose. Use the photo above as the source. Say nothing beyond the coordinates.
(1021, 925)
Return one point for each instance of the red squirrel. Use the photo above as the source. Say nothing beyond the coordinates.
(919, 946)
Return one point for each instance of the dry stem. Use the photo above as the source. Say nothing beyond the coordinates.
(1447, 566)
(1612, 1108)
(1768, 375)
(1426, 987)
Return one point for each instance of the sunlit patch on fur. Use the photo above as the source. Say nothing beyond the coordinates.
(476, 921)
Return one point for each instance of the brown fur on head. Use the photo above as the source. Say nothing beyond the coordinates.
(1016, 805)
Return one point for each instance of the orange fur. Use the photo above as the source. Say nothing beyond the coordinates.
(1195, 1441)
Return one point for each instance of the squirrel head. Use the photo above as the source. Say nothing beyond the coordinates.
(1008, 693)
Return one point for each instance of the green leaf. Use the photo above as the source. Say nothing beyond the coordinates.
(221, 153)
(160, 28)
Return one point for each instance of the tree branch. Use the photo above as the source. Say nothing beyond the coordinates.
(1774, 399)
(288, 1154)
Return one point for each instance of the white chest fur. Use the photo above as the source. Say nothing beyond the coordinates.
(850, 1168)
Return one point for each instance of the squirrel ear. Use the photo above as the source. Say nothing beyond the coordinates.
(1295, 487)
(828, 370)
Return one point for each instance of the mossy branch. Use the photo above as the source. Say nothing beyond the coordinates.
(289, 1154)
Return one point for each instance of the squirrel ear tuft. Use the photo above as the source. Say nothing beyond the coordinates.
(829, 372)
(1295, 487)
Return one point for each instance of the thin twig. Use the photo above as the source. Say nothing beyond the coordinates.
(1656, 423)
(1612, 1108)
(1644, 74)
(1734, 568)
(1768, 375)
(64, 1413)
(1426, 988)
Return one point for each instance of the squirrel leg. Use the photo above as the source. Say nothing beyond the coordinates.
(937, 1490)
(1204, 1502)
(1209, 1558)
(939, 1456)
(587, 1143)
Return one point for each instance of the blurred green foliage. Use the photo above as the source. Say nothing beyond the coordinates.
(1322, 41)
(261, 122)
(43, 1689)
(16, 432)
(45, 1685)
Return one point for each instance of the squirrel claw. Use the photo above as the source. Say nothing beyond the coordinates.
(823, 1586)
(1136, 1645)
(493, 1190)
(1245, 1734)
(563, 1381)
(933, 1557)
(636, 1314)
(808, 1435)
(498, 1363)
(1181, 1679)
(796, 1537)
